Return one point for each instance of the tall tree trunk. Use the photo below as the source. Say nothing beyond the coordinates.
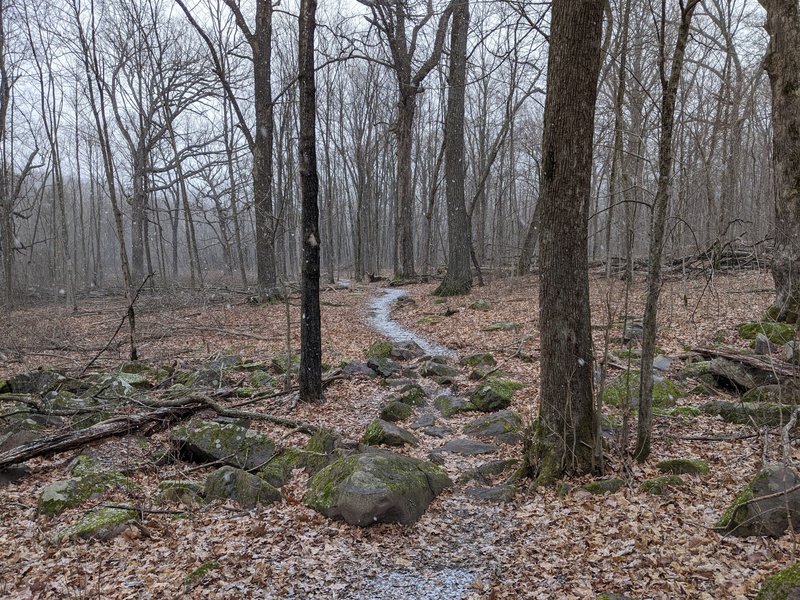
(310, 328)
(458, 279)
(783, 67)
(564, 435)
(669, 87)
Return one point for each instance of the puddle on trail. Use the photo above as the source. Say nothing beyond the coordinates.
(447, 584)
(380, 319)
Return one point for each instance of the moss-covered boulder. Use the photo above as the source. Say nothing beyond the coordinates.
(777, 333)
(68, 493)
(494, 394)
(766, 506)
(451, 405)
(684, 412)
(180, 491)
(260, 378)
(381, 432)
(282, 364)
(761, 414)
(783, 585)
(660, 485)
(480, 304)
(738, 376)
(502, 326)
(603, 486)
(226, 443)
(396, 411)
(695, 370)
(443, 373)
(376, 487)
(480, 358)
(504, 426)
(683, 466)
(320, 449)
(625, 388)
(406, 350)
(102, 524)
(240, 486)
(279, 469)
(412, 394)
(785, 393)
(36, 382)
(379, 349)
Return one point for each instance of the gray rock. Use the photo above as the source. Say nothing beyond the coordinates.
(36, 382)
(383, 366)
(426, 420)
(499, 493)
(244, 488)
(746, 413)
(737, 376)
(438, 370)
(763, 346)
(662, 363)
(503, 426)
(13, 439)
(783, 585)
(61, 495)
(382, 432)
(632, 331)
(412, 394)
(483, 473)
(185, 492)
(376, 487)
(467, 447)
(450, 405)
(771, 515)
(354, 368)
(407, 350)
(13, 474)
(493, 394)
(208, 441)
(102, 524)
(395, 411)
(791, 352)
(437, 432)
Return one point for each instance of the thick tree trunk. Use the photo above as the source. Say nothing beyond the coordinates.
(564, 435)
(404, 205)
(783, 67)
(458, 279)
(310, 328)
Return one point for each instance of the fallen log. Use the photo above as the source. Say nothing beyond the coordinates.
(769, 365)
(119, 425)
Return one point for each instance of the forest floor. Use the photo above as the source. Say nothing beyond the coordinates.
(542, 544)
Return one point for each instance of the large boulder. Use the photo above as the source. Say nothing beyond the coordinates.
(376, 487)
(505, 426)
(244, 488)
(766, 506)
(381, 432)
(209, 441)
(777, 333)
(761, 414)
(396, 411)
(783, 585)
(738, 376)
(102, 524)
(61, 495)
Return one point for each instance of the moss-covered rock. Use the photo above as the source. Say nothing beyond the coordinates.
(379, 349)
(786, 393)
(604, 486)
(438, 370)
(376, 487)
(738, 376)
(480, 304)
(281, 363)
(412, 394)
(504, 426)
(102, 523)
(396, 411)
(761, 509)
(36, 382)
(180, 491)
(502, 326)
(381, 432)
(777, 333)
(695, 370)
(279, 469)
(320, 449)
(5, 387)
(260, 378)
(494, 394)
(683, 466)
(625, 388)
(660, 485)
(761, 414)
(210, 441)
(451, 405)
(68, 493)
(480, 358)
(240, 486)
(783, 585)
(504, 492)
(686, 412)
(384, 367)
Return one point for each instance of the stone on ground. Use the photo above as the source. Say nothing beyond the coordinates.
(244, 488)
(660, 485)
(497, 493)
(467, 447)
(504, 426)
(180, 491)
(761, 414)
(381, 432)
(494, 394)
(101, 524)
(783, 585)
(396, 411)
(625, 387)
(384, 367)
(451, 405)
(68, 493)
(758, 511)
(376, 487)
(210, 441)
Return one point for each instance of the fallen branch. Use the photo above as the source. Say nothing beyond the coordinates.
(771, 365)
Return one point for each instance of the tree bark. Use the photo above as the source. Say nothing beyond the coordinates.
(563, 440)
(310, 328)
(783, 67)
(458, 279)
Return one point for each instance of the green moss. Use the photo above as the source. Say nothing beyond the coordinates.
(379, 349)
(780, 585)
(683, 466)
(281, 364)
(396, 411)
(730, 516)
(103, 523)
(429, 320)
(678, 411)
(323, 486)
(259, 378)
(4, 386)
(659, 485)
(61, 495)
(373, 436)
(279, 469)
(493, 394)
(626, 388)
(412, 394)
(188, 493)
(200, 572)
(480, 304)
(83, 464)
(777, 333)
(479, 359)
(604, 486)
(502, 326)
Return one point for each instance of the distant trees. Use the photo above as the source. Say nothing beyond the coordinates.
(783, 66)
(563, 439)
